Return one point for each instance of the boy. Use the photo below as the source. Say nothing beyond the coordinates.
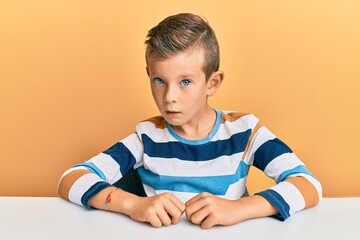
(192, 159)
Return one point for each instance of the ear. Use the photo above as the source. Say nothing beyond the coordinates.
(214, 82)
(147, 71)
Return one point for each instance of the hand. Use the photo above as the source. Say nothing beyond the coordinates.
(159, 210)
(209, 210)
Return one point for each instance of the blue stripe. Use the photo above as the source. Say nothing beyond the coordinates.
(203, 152)
(92, 191)
(269, 151)
(299, 169)
(217, 185)
(277, 201)
(122, 155)
(93, 168)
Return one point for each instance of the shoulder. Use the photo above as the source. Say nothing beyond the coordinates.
(236, 122)
(233, 117)
(157, 123)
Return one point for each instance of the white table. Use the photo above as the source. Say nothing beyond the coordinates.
(53, 218)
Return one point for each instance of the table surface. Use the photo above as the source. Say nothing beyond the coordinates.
(54, 218)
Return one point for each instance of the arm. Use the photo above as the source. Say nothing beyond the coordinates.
(90, 183)
(83, 181)
(296, 187)
(159, 210)
(208, 210)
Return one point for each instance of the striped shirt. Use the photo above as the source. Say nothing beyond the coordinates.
(218, 164)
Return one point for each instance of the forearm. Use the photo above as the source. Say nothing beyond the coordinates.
(208, 210)
(159, 210)
(254, 206)
(120, 200)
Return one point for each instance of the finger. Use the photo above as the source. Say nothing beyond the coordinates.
(194, 199)
(164, 217)
(179, 204)
(173, 212)
(209, 222)
(154, 221)
(199, 216)
(194, 207)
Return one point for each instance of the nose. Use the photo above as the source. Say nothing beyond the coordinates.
(170, 94)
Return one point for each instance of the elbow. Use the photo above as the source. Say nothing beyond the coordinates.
(314, 194)
(319, 191)
(61, 188)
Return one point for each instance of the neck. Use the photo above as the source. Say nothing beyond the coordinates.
(200, 128)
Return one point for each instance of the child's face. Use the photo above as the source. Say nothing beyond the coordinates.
(179, 87)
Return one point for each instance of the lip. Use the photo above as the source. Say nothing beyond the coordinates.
(171, 113)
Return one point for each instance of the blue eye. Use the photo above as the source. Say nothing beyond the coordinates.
(185, 82)
(158, 81)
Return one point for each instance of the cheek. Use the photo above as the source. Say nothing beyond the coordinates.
(194, 99)
(199, 94)
(157, 96)
(154, 92)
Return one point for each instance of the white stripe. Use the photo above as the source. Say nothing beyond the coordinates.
(81, 185)
(223, 165)
(236, 190)
(158, 135)
(69, 171)
(227, 129)
(182, 196)
(135, 146)
(280, 164)
(291, 195)
(261, 136)
(107, 165)
(149, 190)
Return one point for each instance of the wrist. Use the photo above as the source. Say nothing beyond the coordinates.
(254, 207)
(124, 202)
(109, 198)
(245, 208)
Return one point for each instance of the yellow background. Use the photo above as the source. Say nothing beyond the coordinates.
(73, 81)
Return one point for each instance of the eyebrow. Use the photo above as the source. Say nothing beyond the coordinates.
(185, 76)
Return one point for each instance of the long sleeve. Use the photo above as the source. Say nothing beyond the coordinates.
(83, 181)
(296, 188)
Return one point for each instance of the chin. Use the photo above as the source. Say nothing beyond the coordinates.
(173, 122)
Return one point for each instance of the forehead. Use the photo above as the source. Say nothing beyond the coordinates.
(190, 62)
